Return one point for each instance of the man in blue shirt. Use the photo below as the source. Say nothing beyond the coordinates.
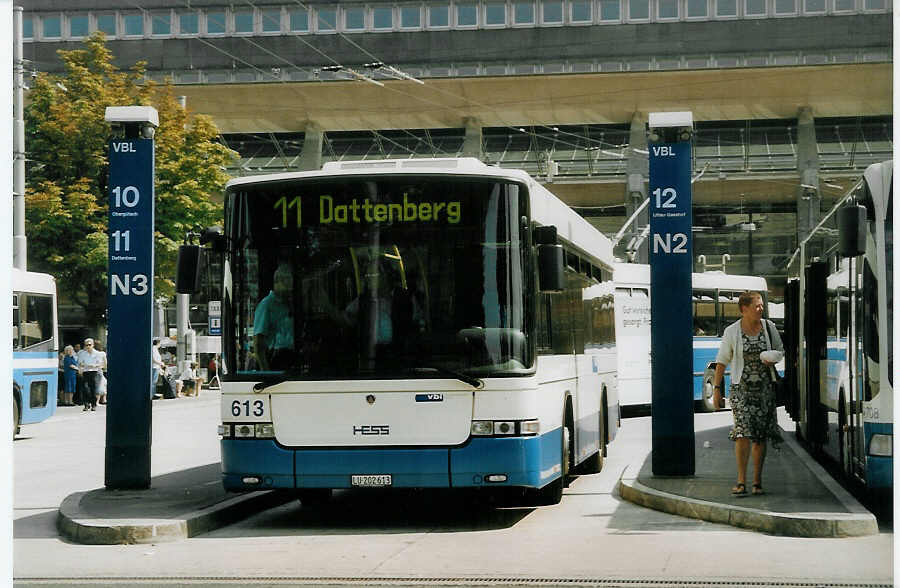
(273, 323)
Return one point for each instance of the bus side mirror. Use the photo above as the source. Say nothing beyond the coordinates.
(851, 230)
(187, 275)
(550, 260)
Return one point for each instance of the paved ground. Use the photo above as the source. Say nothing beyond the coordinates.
(801, 499)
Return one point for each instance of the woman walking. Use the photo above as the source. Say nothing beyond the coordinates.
(752, 346)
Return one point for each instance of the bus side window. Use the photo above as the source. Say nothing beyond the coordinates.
(704, 313)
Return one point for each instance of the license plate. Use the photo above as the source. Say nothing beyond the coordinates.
(370, 480)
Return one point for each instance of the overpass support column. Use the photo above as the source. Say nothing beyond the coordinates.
(637, 169)
(311, 155)
(809, 199)
(471, 146)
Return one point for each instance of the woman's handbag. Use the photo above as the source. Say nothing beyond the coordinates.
(778, 385)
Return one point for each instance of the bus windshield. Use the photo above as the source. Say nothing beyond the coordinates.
(360, 277)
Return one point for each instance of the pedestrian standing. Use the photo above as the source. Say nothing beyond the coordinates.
(157, 364)
(744, 346)
(90, 364)
(70, 375)
(79, 379)
(101, 388)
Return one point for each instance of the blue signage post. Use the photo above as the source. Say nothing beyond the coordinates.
(671, 335)
(130, 296)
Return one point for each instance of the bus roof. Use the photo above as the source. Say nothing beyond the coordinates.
(639, 274)
(25, 281)
(546, 207)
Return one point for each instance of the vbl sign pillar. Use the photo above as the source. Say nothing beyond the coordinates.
(130, 298)
(671, 265)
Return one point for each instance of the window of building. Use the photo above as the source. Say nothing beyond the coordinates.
(383, 17)
(326, 19)
(188, 23)
(523, 13)
(439, 15)
(51, 26)
(875, 4)
(726, 8)
(410, 17)
(552, 12)
(79, 25)
(215, 22)
(697, 9)
(243, 21)
(133, 23)
(785, 6)
(270, 20)
(610, 10)
(298, 20)
(355, 18)
(638, 9)
(755, 7)
(667, 9)
(844, 5)
(106, 23)
(161, 23)
(813, 6)
(495, 14)
(581, 10)
(466, 15)
(27, 27)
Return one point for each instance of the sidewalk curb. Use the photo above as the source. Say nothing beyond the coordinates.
(857, 522)
(97, 531)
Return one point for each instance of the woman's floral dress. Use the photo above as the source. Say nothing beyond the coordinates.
(753, 399)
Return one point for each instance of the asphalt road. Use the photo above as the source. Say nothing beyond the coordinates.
(402, 538)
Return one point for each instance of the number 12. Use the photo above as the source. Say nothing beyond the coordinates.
(668, 193)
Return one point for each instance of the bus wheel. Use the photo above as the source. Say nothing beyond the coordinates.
(552, 493)
(15, 417)
(314, 496)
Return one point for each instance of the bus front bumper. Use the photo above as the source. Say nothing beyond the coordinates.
(255, 464)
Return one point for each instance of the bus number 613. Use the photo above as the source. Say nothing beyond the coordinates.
(247, 408)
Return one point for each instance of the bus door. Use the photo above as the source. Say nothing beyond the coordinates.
(791, 350)
(816, 352)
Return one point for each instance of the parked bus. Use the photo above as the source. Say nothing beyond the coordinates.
(715, 306)
(451, 325)
(842, 337)
(35, 349)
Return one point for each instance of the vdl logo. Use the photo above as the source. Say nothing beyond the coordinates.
(371, 429)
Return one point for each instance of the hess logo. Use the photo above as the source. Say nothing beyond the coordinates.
(371, 429)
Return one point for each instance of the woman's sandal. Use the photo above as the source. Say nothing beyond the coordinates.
(739, 489)
(758, 490)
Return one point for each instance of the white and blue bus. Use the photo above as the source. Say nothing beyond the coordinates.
(839, 318)
(35, 350)
(714, 297)
(442, 323)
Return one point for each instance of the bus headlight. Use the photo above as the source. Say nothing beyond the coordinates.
(482, 427)
(881, 445)
(265, 431)
(506, 428)
(531, 427)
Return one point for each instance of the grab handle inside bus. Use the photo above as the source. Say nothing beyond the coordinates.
(550, 260)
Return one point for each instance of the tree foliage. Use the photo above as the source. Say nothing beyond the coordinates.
(67, 167)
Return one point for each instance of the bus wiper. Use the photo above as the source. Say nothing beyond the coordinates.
(470, 380)
(280, 378)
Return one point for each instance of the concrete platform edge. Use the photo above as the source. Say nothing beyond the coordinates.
(857, 522)
(97, 531)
